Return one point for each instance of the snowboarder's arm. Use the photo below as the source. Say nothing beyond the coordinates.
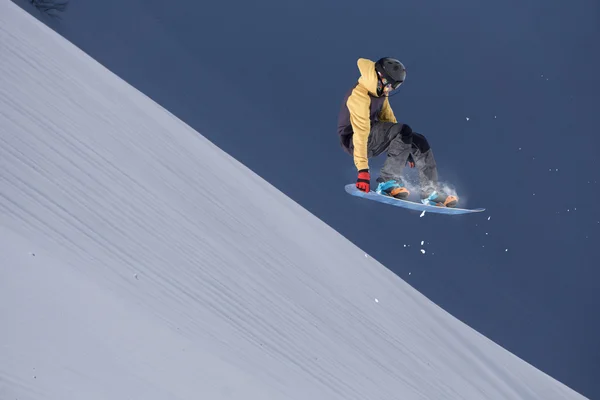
(358, 105)
(387, 114)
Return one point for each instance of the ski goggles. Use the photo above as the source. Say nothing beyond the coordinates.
(392, 85)
(387, 82)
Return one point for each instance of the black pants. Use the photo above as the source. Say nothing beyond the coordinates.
(400, 142)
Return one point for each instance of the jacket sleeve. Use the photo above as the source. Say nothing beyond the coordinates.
(387, 114)
(358, 105)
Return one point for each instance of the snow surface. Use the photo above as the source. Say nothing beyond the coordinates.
(139, 261)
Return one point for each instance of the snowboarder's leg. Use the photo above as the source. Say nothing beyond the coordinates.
(428, 175)
(396, 139)
(425, 164)
(379, 139)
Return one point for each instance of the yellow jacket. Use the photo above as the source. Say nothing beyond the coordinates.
(362, 108)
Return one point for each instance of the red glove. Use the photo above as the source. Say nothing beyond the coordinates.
(410, 162)
(363, 182)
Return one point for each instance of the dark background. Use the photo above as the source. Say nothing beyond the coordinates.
(265, 82)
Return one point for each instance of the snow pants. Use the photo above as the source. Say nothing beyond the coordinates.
(400, 142)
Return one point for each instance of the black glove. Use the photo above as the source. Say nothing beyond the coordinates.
(363, 182)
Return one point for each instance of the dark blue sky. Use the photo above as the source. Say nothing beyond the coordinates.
(265, 82)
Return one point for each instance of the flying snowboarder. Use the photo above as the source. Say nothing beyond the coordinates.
(367, 127)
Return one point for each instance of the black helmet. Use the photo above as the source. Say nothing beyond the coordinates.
(392, 70)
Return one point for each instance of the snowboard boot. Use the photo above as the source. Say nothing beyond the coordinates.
(392, 188)
(440, 199)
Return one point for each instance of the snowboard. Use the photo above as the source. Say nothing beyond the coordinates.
(411, 205)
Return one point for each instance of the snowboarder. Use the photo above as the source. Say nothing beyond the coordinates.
(367, 127)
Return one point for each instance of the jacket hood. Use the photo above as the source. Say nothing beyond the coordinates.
(368, 76)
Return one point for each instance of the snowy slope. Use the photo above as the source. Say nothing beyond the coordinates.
(139, 261)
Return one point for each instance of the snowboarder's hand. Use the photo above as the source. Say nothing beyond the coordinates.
(363, 182)
(411, 161)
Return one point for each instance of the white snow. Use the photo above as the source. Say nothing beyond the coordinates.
(165, 269)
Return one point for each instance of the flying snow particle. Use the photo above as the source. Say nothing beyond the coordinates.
(422, 242)
(366, 255)
(423, 251)
(467, 118)
(135, 276)
(489, 217)
(376, 301)
(506, 250)
(422, 214)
